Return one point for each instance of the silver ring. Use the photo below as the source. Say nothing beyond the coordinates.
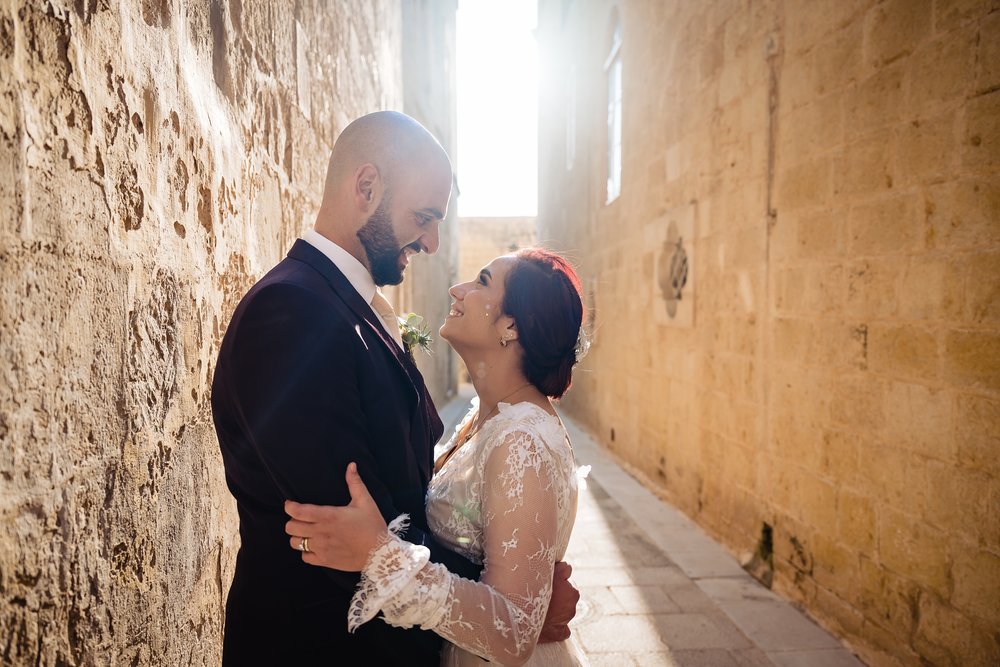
(304, 545)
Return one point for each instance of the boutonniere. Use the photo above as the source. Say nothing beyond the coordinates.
(414, 333)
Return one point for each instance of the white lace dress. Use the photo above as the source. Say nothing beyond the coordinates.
(506, 499)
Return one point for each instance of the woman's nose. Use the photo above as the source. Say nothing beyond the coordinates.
(457, 291)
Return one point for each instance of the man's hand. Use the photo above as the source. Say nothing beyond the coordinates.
(562, 607)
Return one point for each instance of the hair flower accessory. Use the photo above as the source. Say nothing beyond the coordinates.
(582, 345)
(414, 333)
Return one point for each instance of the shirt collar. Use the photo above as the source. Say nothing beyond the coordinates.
(353, 270)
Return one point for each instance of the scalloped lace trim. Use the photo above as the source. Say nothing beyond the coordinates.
(392, 565)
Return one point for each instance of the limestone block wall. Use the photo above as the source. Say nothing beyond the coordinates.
(483, 239)
(832, 403)
(155, 159)
(428, 62)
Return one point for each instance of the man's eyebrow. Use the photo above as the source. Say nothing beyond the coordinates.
(436, 213)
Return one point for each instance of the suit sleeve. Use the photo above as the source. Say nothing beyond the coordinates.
(295, 376)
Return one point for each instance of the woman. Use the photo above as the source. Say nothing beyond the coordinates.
(504, 490)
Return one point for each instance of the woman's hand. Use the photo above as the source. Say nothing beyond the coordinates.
(340, 538)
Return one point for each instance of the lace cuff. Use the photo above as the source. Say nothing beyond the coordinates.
(391, 566)
(399, 579)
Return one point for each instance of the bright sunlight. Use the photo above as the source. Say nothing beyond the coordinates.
(497, 63)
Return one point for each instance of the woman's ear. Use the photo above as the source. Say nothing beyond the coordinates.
(507, 327)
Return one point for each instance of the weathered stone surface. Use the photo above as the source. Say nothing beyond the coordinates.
(841, 156)
(155, 159)
(972, 358)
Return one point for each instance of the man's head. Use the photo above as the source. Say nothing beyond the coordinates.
(387, 190)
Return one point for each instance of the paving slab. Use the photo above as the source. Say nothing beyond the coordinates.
(584, 574)
(597, 600)
(621, 634)
(778, 626)
(690, 598)
(624, 659)
(736, 589)
(663, 659)
(645, 599)
(699, 631)
(819, 658)
(718, 658)
(707, 562)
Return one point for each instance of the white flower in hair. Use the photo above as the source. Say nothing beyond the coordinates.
(582, 345)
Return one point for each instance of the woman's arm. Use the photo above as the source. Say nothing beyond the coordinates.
(498, 617)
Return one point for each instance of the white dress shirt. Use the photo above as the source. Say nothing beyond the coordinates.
(355, 272)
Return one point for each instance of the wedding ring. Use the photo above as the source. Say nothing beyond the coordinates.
(304, 545)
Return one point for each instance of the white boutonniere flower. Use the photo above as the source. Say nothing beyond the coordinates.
(414, 332)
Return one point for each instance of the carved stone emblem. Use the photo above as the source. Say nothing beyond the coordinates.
(674, 267)
(673, 277)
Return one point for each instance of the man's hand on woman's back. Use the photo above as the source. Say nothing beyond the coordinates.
(562, 607)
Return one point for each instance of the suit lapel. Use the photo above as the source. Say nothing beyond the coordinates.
(427, 424)
(304, 252)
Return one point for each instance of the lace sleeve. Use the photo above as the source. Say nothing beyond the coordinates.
(500, 616)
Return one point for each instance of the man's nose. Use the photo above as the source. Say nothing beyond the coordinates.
(430, 241)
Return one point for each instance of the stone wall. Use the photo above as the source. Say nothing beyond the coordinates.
(826, 392)
(155, 159)
(483, 239)
(429, 96)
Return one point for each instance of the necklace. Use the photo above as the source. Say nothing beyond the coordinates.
(472, 431)
(496, 407)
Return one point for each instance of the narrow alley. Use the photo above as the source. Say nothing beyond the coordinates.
(784, 219)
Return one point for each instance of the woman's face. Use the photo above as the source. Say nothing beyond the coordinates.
(475, 319)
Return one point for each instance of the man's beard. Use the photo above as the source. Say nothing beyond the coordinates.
(381, 246)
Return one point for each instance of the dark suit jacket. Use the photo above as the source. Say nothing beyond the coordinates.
(308, 381)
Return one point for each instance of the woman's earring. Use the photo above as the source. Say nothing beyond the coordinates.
(503, 342)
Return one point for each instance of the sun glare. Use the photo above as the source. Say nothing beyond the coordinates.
(497, 78)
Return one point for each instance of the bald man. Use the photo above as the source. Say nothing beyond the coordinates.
(311, 376)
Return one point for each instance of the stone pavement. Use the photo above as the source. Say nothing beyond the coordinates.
(656, 590)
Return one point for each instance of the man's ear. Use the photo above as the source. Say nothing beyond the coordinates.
(367, 183)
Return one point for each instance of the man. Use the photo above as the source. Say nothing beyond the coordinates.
(311, 376)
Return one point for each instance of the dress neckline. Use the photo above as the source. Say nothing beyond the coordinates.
(501, 408)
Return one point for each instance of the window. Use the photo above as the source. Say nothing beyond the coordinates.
(613, 69)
